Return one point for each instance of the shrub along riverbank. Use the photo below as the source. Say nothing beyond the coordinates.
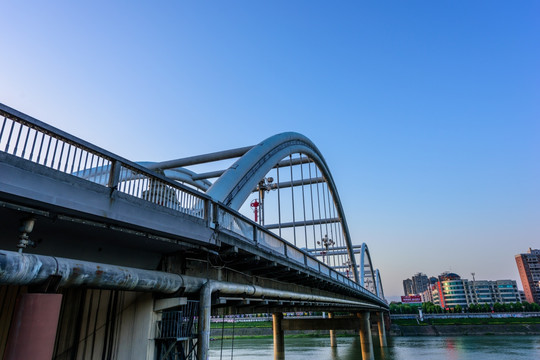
(451, 326)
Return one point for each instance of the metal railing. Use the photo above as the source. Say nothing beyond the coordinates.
(178, 324)
(35, 141)
(40, 143)
(254, 233)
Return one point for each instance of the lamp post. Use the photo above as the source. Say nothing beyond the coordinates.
(348, 263)
(326, 242)
(265, 185)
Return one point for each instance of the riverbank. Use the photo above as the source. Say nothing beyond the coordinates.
(464, 330)
(447, 326)
(465, 324)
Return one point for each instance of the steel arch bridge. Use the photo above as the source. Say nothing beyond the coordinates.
(291, 184)
(283, 182)
(265, 232)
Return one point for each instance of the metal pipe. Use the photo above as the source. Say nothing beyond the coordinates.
(26, 269)
(205, 310)
(254, 291)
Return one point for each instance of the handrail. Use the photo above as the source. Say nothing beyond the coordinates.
(33, 140)
(30, 139)
(250, 235)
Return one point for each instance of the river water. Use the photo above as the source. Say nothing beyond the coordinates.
(399, 348)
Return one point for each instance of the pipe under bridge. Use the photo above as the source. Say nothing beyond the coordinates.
(82, 227)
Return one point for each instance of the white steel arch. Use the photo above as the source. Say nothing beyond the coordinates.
(237, 183)
(379, 288)
(365, 255)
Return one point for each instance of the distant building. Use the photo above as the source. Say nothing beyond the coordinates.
(427, 296)
(420, 283)
(417, 285)
(451, 291)
(529, 271)
(408, 287)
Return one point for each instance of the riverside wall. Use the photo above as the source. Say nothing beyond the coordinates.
(464, 330)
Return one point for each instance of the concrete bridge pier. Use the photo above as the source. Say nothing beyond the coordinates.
(365, 335)
(279, 338)
(382, 329)
(33, 330)
(333, 342)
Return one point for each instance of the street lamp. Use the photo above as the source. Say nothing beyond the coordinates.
(265, 185)
(326, 242)
(348, 263)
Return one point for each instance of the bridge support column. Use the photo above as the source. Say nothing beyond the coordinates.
(382, 329)
(33, 328)
(205, 310)
(365, 336)
(279, 338)
(333, 342)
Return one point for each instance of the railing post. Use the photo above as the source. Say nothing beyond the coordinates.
(114, 175)
(209, 214)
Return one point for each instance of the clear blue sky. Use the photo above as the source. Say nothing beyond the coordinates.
(428, 113)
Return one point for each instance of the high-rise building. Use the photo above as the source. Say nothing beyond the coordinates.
(408, 287)
(416, 286)
(529, 271)
(420, 283)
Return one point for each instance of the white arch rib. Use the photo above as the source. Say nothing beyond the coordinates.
(364, 251)
(236, 184)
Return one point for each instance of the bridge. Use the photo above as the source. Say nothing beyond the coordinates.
(105, 257)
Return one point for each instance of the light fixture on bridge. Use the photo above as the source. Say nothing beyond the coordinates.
(27, 225)
(349, 266)
(326, 242)
(265, 185)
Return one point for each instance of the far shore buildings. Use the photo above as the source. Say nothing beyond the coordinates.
(450, 290)
(417, 285)
(529, 271)
(408, 287)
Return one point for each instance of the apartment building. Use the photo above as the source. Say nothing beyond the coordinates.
(529, 271)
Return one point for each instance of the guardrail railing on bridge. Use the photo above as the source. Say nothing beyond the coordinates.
(40, 143)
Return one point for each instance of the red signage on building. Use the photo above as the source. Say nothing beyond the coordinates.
(411, 299)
